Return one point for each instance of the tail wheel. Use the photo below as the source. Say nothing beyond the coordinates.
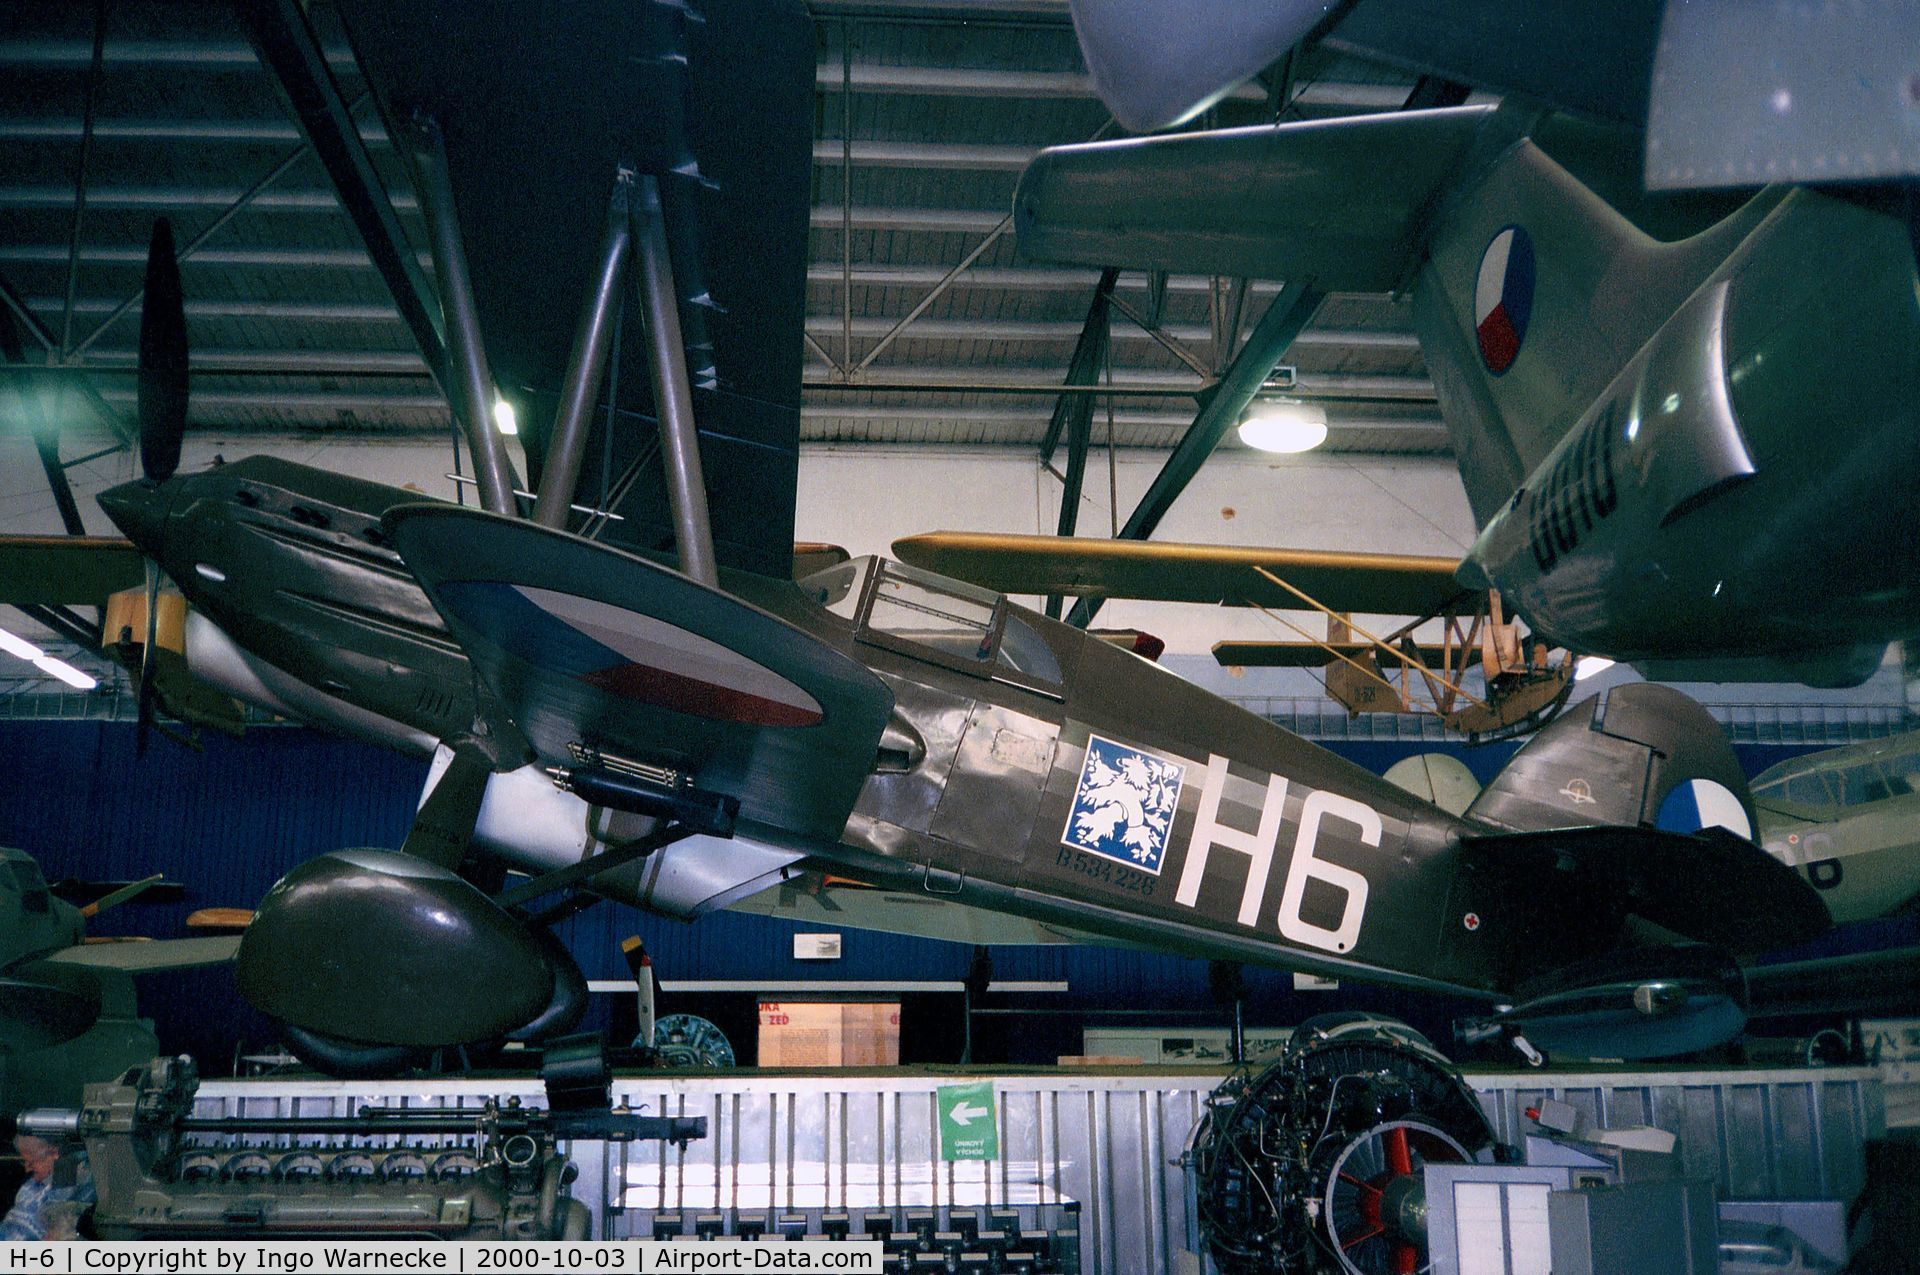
(1375, 1207)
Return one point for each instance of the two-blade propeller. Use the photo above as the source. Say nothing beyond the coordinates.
(163, 417)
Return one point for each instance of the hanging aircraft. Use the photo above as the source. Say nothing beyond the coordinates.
(677, 738)
(1728, 95)
(67, 1008)
(1687, 429)
(1844, 817)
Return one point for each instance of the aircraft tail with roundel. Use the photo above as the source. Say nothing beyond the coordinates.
(1530, 291)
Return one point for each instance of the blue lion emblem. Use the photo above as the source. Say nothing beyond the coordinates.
(1123, 808)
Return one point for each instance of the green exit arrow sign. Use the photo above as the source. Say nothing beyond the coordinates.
(969, 1129)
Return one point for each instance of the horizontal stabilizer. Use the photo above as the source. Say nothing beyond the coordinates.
(1709, 886)
(67, 570)
(1153, 571)
(592, 651)
(1337, 204)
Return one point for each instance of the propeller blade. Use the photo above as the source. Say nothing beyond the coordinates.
(163, 358)
(125, 892)
(145, 703)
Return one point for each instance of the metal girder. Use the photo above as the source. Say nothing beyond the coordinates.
(1270, 339)
(1073, 413)
(234, 132)
(34, 51)
(174, 198)
(1083, 371)
(290, 48)
(46, 434)
(1012, 330)
(87, 124)
(64, 622)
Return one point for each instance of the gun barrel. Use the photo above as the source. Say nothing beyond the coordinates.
(53, 1123)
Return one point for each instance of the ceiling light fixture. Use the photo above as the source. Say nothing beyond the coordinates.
(503, 418)
(22, 649)
(1283, 425)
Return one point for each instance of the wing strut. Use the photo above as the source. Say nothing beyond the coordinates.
(472, 381)
(560, 472)
(673, 400)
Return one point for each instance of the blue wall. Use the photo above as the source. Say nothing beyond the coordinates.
(229, 821)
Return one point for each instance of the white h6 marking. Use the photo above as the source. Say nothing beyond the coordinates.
(1210, 834)
(1343, 936)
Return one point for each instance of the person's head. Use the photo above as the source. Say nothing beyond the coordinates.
(38, 1155)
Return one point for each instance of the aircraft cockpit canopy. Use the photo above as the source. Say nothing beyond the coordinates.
(1857, 778)
(930, 617)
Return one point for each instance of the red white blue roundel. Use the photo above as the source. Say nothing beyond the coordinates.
(1701, 803)
(1503, 298)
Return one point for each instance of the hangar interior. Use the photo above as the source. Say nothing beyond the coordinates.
(934, 356)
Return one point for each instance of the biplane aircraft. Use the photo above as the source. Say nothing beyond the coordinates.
(659, 713)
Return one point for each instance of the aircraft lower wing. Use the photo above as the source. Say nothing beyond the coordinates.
(151, 957)
(810, 899)
(67, 570)
(1307, 654)
(583, 645)
(1151, 571)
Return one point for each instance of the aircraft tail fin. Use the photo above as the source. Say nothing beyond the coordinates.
(1531, 293)
(1642, 755)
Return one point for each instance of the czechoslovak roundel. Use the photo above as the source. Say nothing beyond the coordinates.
(1503, 298)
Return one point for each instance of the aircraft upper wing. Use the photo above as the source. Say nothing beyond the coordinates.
(1334, 203)
(151, 957)
(66, 570)
(539, 103)
(1378, 583)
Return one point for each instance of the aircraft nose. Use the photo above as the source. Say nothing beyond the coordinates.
(139, 509)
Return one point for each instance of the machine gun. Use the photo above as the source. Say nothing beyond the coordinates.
(490, 1172)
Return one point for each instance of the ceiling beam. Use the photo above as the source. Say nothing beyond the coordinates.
(289, 46)
(1269, 341)
(1064, 332)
